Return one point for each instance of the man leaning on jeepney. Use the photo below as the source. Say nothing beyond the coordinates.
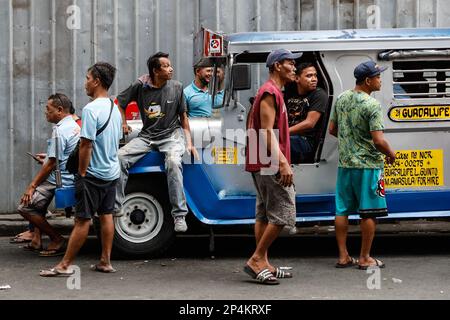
(165, 128)
(357, 122)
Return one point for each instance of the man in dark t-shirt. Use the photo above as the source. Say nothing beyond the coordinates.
(165, 129)
(306, 104)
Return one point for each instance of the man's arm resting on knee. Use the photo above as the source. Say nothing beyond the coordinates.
(42, 175)
(85, 156)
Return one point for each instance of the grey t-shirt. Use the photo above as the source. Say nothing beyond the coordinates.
(160, 108)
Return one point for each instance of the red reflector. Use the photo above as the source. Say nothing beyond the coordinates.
(132, 112)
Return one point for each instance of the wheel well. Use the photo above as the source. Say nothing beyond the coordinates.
(156, 185)
(152, 183)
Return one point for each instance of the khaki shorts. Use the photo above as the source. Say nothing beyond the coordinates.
(274, 204)
(41, 199)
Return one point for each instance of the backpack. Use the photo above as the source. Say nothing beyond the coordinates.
(74, 158)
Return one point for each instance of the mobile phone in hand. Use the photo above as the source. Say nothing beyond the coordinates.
(34, 157)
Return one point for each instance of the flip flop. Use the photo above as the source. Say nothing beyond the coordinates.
(378, 263)
(30, 248)
(18, 240)
(97, 268)
(280, 273)
(55, 273)
(264, 277)
(54, 252)
(353, 262)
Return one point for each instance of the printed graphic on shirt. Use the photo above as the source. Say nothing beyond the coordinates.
(297, 110)
(154, 112)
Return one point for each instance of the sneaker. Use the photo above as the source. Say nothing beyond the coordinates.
(180, 224)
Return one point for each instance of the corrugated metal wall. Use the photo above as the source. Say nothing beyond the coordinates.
(40, 54)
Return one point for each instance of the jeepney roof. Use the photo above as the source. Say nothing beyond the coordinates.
(358, 39)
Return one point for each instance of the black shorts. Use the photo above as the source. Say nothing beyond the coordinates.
(94, 196)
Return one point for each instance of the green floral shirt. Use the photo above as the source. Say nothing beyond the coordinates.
(356, 115)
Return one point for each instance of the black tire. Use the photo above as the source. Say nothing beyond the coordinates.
(146, 228)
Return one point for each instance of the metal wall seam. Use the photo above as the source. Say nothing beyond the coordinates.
(338, 14)
(278, 15)
(53, 54)
(235, 11)
(11, 105)
(74, 63)
(94, 32)
(116, 41)
(437, 13)
(156, 15)
(197, 16)
(32, 79)
(317, 13)
(356, 7)
(177, 38)
(136, 39)
(218, 15)
(417, 13)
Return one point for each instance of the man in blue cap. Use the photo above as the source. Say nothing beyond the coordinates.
(357, 122)
(273, 179)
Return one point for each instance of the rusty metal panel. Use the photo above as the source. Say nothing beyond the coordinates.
(47, 46)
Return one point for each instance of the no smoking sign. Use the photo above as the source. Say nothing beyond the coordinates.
(215, 46)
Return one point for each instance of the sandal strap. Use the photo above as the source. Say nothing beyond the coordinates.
(264, 275)
(279, 273)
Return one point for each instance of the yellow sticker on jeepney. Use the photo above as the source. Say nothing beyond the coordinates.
(420, 113)
(225, 155)
(416, 169)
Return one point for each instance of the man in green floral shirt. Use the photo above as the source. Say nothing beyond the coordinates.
(357, 121)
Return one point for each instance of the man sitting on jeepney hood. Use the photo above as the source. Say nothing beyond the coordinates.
(306, 104)
(165, 129)
(198, 99)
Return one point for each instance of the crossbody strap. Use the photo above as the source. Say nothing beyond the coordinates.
(99, 132)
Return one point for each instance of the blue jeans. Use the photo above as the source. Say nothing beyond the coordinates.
(173, 147)
(301, 149)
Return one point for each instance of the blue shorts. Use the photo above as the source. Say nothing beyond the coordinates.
(361, 191)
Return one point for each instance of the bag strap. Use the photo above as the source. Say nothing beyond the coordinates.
(99, 132)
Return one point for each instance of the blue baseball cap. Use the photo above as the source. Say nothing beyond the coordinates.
(368, 69)
(280, 55)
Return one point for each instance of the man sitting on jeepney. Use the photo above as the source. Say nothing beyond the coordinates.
(165, 129)
(306, 103)
(198, 99)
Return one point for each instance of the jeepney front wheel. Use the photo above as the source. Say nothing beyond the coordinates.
(145, 229)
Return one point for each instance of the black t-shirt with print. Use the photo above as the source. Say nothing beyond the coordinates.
(300, 105)
(160, 108)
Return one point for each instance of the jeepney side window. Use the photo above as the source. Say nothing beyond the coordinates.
(425, 79)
